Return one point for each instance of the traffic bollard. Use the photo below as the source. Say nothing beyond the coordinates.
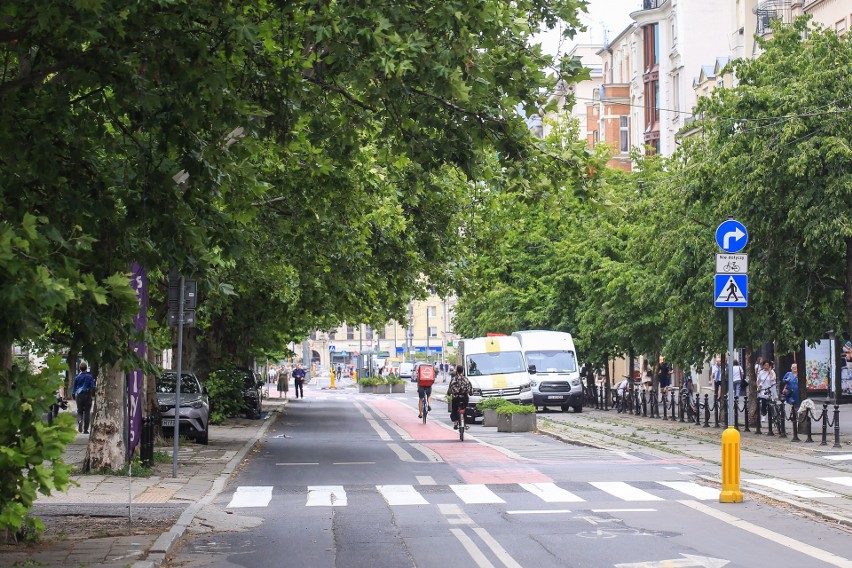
(731, 467)
(837, 426)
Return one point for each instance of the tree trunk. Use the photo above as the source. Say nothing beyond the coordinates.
(847, 291)
(106, 448)
(5, 357)
(753, 404)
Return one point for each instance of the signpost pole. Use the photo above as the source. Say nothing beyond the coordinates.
(178, 378)
(730, 418)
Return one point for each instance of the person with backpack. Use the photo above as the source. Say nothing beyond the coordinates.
(461, 389)
(82, 391)
(425, 375)
(790, 388)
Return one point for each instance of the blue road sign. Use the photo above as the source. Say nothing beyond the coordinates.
(332, 348)
(731, 236)
(731, 291)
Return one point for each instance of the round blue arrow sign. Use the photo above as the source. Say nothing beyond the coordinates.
(731, 236)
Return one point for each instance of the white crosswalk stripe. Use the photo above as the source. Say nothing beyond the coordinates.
(551, 493)
(790, 488)
(839, 457)
(401, 495)
(476, 494)
(250, 496)
(694, 490)
(847, 481)
(624, 491)
(326, 496)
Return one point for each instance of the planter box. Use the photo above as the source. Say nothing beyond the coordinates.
(516, 422)
(489, 417)
(369, 389)
(398, 388)
(382, 389)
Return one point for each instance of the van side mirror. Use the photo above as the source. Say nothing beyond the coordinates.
(531, 370)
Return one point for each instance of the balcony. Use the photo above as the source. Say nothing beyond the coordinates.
(652, 4)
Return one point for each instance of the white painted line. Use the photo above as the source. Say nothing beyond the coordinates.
(326, 496)
(425, 480)
(790, 488)
(539, 512)
(372, 422)
(431, 456)
(551, 493)
(297, 463)
(353, 463)
(401, 454)
(401, 495)
(495, 547)
(694, 490)
(448, 509)
(472, 549)
(842, 457)
(624, 510)
(773, 536)
(251, 496)
(847, 481)
(624, 491)
(475, 493)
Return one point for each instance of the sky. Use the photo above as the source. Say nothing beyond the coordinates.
(604, 17)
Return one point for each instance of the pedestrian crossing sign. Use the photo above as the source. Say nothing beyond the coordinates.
(731, 290)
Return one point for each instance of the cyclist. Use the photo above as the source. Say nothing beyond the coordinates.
(461, 389)
(425, 375)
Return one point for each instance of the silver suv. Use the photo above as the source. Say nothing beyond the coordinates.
(194, 406)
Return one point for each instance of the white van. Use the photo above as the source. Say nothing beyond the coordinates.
(557, 375)
(496, 368)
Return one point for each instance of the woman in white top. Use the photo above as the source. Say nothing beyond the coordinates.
(739, 384)
(766, 387)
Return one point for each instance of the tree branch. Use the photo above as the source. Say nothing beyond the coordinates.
(33, 77)
(340, 91)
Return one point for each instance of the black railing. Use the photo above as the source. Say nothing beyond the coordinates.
(651, 4)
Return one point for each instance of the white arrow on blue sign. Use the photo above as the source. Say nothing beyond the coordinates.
(731, 291)
(731, 236)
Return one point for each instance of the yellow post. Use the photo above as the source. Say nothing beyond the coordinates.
(731, 467)
(332, 379)
(355, 376)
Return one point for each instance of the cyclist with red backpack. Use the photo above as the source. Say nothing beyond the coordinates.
(425, 374)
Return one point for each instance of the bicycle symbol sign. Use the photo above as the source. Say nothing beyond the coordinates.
(731, 264)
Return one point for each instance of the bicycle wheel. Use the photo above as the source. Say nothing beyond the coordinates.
(424, 408)
(461, 426)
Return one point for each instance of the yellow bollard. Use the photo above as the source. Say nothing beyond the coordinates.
(332, 380)
(355, 376)
(731, 467)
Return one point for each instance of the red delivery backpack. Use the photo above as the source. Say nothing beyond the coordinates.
(426, 376)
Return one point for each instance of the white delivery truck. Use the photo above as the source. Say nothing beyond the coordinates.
(496, 368)
(557, 375)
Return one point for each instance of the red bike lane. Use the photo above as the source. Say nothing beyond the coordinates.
(475, 461)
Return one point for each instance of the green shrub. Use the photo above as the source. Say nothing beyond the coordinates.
(225, 392)
(487, 403)
(370, 382)
(516, 409)
(393, 379)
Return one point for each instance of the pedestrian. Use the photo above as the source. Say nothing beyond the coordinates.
(299, 380)
(765, 388)
(460, 389)
(739, 379)
(82, 391)
(758, 366)
(283, 382)
(716, 377)
(790, 387)
(664, 375)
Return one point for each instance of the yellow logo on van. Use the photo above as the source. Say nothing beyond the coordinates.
(492, 345)
(500, 381)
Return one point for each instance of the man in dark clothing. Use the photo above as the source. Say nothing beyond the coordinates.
(664, 376)
(82, 390)
(299, 380)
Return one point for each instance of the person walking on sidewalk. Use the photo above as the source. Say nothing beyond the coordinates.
(299, 380)
(82, 391)
(739, 380)
(765, 388)
(716, 377)
(283, 382)
(790, 387)
(664, 375)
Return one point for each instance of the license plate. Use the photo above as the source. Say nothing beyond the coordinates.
(555, 397)
(168, 423)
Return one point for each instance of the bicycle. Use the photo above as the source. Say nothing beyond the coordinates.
(732, 266)
(424, 406)
(461, 425)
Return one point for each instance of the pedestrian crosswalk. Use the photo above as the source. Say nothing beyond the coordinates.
(481, 494)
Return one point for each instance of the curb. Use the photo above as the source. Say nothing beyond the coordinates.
(166, 541)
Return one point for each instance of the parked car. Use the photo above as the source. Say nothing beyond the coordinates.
(194, 405)
(250, 383)
(406, 371)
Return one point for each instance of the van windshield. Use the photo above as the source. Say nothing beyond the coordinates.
(552, 361)
(495, 363)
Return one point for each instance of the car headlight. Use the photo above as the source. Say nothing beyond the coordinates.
(164, 408)
(575, 382)
(197, 404)
(533, 383)
(477, 392)
(525, 388)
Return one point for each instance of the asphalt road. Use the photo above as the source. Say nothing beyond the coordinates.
(346, 480)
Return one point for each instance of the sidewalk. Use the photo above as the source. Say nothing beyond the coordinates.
(203, 472)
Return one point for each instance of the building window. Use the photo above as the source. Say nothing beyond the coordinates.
(624, 134)
(433, 331)
(675, 95)
(432, 311)
(368, 334)
(350, 332)
(595, 137)
(332, 335)
(840, 26)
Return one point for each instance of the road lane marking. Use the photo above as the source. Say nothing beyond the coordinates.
(843, 457)
(431, 455)
(539, 512)
(326, 496)
(353, 463)
(495, 547)
(472, 549)
(373, 424)
(251, 496)
(401, 495)
(624, 510)
(551, 493)
(847, 481)
(425, 480)
(790, 488)
(402, 454)
(297, 463)
(773, 536)
(624, 491)
(476, 493)
(454, 514)
(694, 490)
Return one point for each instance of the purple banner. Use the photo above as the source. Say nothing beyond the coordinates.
(139, 283)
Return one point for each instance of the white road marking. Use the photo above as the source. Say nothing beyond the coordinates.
(297, 463)
(251, 496)
(624, 491)
(425, 480)
(401, 495)
(790, 488)
(471, 548)
(372, 422)
(539, 512)
(624, 510)
(430, 455)
(551, 493)
(694, 490)
(842, 457)
(353, 463)
(401, 454)
(773, 536)
(847, 481)
(688, 561)
(455, 515)
(326, 496)
(495, 547)
(475, 494)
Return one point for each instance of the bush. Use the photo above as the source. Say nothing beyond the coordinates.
(393, 379)
(225, 391)
(370, 382)
(516, 409)
(491, 403)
